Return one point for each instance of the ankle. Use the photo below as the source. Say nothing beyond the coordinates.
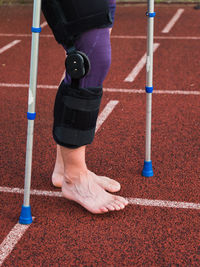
(57, 172)
(75, 176)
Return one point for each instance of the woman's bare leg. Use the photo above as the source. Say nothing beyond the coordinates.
(58, 176)
(58, 172)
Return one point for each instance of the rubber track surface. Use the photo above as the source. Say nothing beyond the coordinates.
(65, 234)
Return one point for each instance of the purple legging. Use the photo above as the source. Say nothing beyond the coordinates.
(96, 45)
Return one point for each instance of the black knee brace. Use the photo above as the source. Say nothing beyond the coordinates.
(77, 64)
(76, 109)
(75, 115)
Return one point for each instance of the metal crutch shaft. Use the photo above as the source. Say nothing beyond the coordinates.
(25, 216)
(147, 169)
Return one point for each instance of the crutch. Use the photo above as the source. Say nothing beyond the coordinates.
(147, 168)
(25, 216)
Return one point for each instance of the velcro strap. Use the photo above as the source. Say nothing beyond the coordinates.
(75, 115)
(79, 119)
(80, 112)
(82, 104)
(72, 137)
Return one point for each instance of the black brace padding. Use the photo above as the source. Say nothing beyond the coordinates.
(69, 18)
(75, 115)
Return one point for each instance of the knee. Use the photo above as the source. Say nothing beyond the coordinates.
(96, 45)
(99, 54)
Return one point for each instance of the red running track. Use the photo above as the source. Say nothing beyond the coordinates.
(63, 233)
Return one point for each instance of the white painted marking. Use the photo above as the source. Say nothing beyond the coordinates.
(105, 113)
(44, 24)
(131, 77)
(112, 90)
(173, 20)
(11, 240)
(163, 203)
(156, 37)
(25, 85)
(25, 35)
(112, 36)
(142, 91)
(63, 76)
(8, 46)
(33, 192)
(132, 201)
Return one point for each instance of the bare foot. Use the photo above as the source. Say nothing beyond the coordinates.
(103, 181)
(89, 194)
(57, 179)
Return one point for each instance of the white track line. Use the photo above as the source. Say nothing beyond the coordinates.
(174, 19)
(64, 73)
(11, 240)
(164, 203)
(140, 65)
(44, 24)
(63, 76)
(156, 37)
(132, 201)
(112, 36)
(8, 46)
(25, 85)
(105, 113)
(33, 192)
(25, 35)
(142, 91)
(111, 90)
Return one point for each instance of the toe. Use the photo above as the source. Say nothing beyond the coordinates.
(107, 183)
(120, 204)
(112, 185)
(110, 207)
(103, 210)
(117, 206)
(122, 200)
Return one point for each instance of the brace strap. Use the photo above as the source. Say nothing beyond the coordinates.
(75, 115)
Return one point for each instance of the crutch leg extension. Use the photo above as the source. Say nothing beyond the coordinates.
(148, 169)
(25, 216)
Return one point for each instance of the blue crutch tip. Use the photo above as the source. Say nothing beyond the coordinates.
(25, 216)
(147, 169)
